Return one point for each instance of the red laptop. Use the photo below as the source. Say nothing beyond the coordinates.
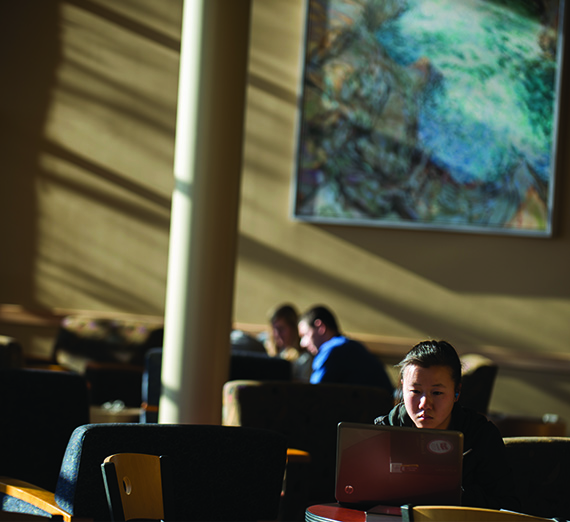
(388, 466)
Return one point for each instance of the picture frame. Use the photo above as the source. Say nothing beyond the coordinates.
(430, 114)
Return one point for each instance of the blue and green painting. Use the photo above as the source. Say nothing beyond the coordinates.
(430, 113)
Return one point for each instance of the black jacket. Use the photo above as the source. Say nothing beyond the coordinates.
(487, 478)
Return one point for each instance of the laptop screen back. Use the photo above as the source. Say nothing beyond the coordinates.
(395, 465)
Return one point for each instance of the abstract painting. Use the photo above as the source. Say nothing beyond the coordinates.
(430, 114)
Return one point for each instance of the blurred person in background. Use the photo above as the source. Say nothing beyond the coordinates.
(337, 358)
(284, 341)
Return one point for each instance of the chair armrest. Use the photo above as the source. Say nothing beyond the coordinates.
(34, 495)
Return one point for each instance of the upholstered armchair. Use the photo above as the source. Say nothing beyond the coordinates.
(541, 467)
(109, 352)
(85, 338)
(40, 410)
(11, 353)
(243, 365)
(478, 379)
(307, 414)
(217, 472)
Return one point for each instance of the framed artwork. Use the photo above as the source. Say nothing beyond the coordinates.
(430, 114)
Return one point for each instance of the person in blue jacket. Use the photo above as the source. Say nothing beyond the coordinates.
(338, 359)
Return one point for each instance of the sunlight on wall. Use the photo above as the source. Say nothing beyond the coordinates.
(106, 172)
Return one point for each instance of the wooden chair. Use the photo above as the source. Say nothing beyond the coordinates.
(463, 514)
(136, 483)
(134, 486)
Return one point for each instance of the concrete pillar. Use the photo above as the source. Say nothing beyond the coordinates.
(204, 220)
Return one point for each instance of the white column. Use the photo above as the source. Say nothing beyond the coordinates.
(203, 234)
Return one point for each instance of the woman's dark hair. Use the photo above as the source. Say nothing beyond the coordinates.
(433, 353)
(287, 313)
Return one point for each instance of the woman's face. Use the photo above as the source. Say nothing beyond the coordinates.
(429, 395)
(283, 334)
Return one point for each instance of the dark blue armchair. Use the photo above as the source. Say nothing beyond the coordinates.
(216, 472)
(40, 410)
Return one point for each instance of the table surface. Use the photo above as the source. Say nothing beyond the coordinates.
(98, 414)
(337, 513)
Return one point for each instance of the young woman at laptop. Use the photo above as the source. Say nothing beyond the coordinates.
(430, 378)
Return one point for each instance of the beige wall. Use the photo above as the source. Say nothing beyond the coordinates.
(88, 103)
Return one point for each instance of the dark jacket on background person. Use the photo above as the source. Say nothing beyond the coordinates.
(487, 478)
(346, 361)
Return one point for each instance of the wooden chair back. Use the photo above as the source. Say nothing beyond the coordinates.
(133, 484)
(463, 514)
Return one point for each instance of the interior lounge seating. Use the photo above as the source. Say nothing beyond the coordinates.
(40, 410)
(217, 472)
(84, 338)
(478, 379)
(541, 468)
(307, 414)
(11, 353)
(121, 358)
(109, 352)
(525, 426)
(151, 385)
(243, 365)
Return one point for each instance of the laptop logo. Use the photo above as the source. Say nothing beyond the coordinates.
(440, 447)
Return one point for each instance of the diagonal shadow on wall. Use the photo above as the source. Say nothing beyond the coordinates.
(28, 77)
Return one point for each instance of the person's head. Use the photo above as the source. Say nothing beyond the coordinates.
(430, 376)
(284, 330)
(316, 326)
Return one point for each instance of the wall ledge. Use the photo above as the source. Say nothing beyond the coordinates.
(392, 349)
